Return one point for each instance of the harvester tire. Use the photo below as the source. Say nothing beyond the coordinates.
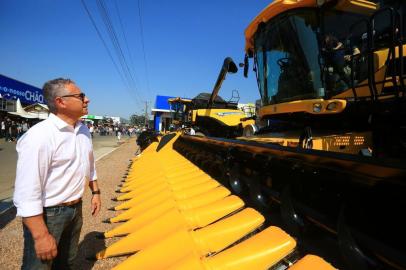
(237, 184)
(294, 223)
(258, 197)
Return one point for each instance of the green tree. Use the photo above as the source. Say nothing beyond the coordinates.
(137, 120)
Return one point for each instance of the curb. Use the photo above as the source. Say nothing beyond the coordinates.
(7, 215)
(112, 150)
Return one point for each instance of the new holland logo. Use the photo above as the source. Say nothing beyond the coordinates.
(229, 113)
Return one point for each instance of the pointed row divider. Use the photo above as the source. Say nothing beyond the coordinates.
(177, 217)
(170, 222)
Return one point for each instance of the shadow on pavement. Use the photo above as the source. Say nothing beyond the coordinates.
(89, 246)
(8, 214)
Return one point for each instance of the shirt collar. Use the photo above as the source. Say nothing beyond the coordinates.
(60, 124)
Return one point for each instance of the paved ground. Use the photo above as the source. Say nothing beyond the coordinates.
(8, 157)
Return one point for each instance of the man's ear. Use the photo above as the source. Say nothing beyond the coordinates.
(60, 103)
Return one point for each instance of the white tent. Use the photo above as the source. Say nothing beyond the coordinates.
(40, 110)
(21, 112)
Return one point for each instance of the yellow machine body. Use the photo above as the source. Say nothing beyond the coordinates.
(226, 116)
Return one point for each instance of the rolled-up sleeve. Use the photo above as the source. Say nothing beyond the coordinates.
(32, 170)
(92, 163)
(93, 174)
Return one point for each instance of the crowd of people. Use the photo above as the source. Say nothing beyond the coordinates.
(113, 130)
(11, 130)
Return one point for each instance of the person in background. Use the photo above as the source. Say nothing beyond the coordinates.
(55, 160)
(338, 58)
(2, 128)
(19, 130)
(25, 127)
(13, 131)
(118, 132)
(91, 130)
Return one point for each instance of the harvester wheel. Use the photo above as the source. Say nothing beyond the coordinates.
(352, 254)
(294, 223)
(235, 181)
(249, 130)
(258, 197)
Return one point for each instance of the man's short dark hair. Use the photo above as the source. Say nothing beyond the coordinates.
(53, 89)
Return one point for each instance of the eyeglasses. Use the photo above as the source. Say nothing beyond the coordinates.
(80, 96)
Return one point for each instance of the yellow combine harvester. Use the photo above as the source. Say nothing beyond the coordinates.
(209, 114)
(325, 167)
(327, 156)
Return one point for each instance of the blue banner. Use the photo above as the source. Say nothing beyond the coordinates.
(12, 89)
(161, 103)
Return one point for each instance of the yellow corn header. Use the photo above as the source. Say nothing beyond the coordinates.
(175, 216)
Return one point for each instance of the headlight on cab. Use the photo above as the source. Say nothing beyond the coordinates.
(332, 106)
(317, 107)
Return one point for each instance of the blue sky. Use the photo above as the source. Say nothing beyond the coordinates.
(185, 43)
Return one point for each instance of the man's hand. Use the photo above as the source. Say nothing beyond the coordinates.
(95, 204)
(44, 243)
(45, 247)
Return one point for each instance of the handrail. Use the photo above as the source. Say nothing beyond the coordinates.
(371, 49)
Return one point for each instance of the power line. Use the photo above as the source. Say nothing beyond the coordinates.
(124, 35)
(143, 46)
(116, 44)
(126, 43)
(113, 36)
(104, 43)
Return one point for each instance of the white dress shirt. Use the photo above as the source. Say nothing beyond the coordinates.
(54, 161)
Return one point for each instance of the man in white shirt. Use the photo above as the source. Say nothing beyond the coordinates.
(55, 159)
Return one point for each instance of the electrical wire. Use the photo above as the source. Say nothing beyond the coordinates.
(116, 44)
(104, 43)
(132, 66)
(143, 46)
(124, 35)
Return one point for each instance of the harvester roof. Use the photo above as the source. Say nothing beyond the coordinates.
(275, 8)
(206, 96)
(179, 99)
(279, 6)
(201, 100)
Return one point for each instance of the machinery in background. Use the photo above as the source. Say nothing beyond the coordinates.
(209, 114)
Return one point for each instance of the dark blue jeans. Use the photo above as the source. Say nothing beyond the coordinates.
(64, 223)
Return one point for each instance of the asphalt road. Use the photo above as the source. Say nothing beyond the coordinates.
(102, 145)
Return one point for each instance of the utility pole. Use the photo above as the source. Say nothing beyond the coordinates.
(146, 113)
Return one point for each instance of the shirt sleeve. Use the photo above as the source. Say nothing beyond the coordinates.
(93, 173)
(32, 170)
(92, 162)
